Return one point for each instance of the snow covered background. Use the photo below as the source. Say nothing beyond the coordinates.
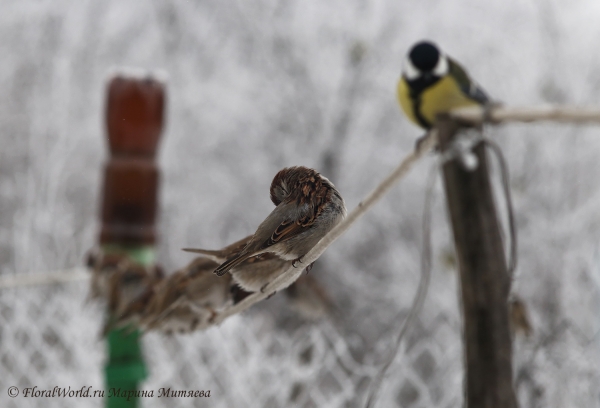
(257, 85)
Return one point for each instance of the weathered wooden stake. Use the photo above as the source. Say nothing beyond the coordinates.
(484, 279)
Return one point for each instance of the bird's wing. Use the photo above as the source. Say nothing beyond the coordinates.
(470, 88)
(288, 230)
(303, 219)
(285, 231)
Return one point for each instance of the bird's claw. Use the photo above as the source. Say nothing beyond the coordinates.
(296, 262)
(262, 290)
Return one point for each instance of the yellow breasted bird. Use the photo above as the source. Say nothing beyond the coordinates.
(433, 83)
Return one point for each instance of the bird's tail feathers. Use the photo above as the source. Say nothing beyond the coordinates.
(214, 255)
(232, 263)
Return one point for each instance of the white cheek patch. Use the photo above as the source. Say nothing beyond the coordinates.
(441, 68)
(410, 71)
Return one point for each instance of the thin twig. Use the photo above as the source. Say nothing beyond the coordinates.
(46, 278)
(476, 115)
(289, 276)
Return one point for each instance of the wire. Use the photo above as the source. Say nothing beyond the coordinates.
(512, 254)
(419, 299)
(46, 278)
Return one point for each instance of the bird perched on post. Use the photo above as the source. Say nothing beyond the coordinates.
(433, 83)
(308, 206)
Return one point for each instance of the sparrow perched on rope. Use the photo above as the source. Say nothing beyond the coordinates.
(433, 83)
(308, 206)
(123, 284)
(252, 274)
(184, 301)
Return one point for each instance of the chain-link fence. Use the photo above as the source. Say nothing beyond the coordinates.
(269, 357)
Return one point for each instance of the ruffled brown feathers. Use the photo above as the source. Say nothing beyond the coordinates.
(304, 186)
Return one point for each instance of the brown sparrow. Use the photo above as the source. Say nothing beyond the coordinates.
(252, 274)
(134, 311)
(308, 207)
(188, 299)
(103, 267)
(119, 282)
(127, 285)
(117, 279)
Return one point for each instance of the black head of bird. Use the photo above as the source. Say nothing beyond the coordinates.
(425, 64)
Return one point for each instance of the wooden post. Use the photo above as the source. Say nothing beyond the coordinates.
(483, 276)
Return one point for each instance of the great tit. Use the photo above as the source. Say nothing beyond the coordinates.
(433, 83)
